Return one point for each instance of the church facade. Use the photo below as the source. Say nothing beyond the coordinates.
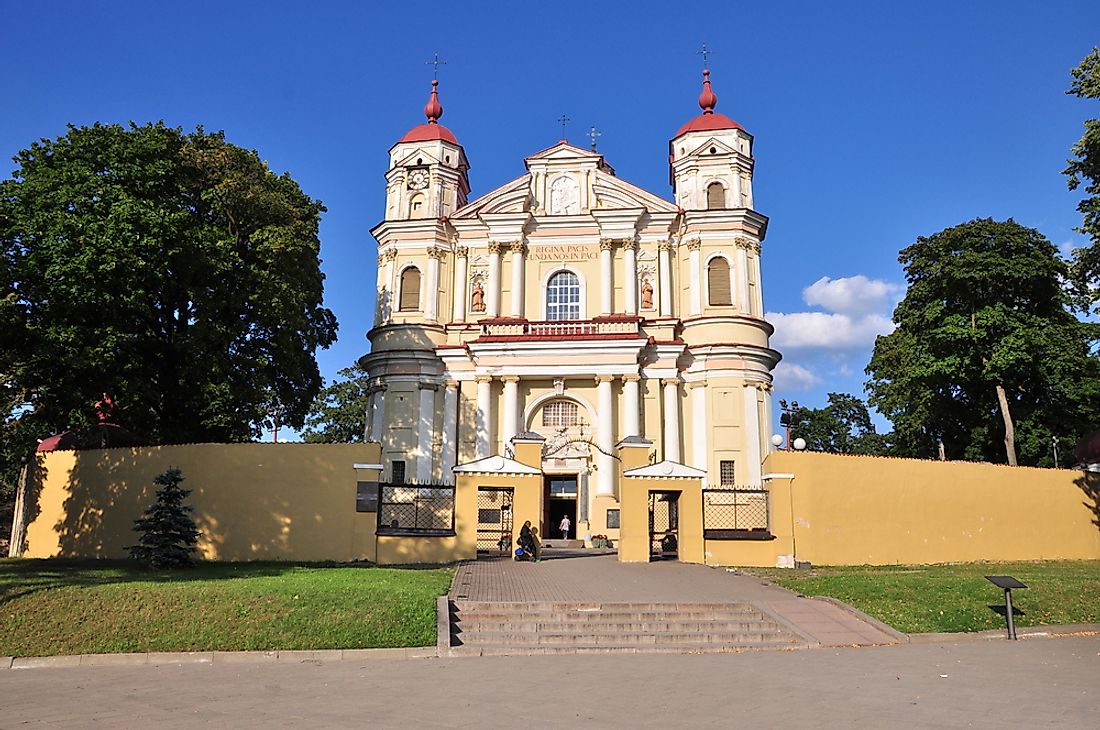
(570, 308)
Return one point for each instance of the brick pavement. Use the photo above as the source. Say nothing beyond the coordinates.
(602, 578)
(1028, 683)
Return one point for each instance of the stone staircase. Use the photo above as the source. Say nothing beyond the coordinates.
(490, 629)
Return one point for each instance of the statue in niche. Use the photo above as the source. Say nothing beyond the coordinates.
(647, 295)
(477, 298)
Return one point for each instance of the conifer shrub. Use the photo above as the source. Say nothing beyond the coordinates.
(168, 534)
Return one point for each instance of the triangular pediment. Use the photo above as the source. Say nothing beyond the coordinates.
(720, 148)
(666, 470)
(565, 151)
(425, 156)
(495, 464)
(614, 193)
(511, 197)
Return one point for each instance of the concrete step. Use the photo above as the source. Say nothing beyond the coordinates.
(661, 625)
(625, 639)
(693, 648)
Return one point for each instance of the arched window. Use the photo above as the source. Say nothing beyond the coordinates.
(559, 414)
(410, 290)
(563, 297)
(416, 206)
(716, 196)
(718, 283)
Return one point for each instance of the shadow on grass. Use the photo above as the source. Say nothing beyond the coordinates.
(1002, 611)
(24, 577)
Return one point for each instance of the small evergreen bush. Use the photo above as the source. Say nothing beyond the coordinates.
(168, 534)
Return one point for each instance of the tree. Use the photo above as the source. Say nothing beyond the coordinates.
(338, 413)
(174, 271)
(986, 357)
(842, 427)
(168, 534)
(1085, 169)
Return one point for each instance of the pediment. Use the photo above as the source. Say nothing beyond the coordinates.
(720, 147)
(512, 197)
(666, 470)
(613, 193)
(495, 464)
(425, 156)
(565, 151)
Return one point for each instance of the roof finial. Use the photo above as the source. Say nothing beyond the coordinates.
(705, 52)
(433, 109)
(563, 121)
(707, 99)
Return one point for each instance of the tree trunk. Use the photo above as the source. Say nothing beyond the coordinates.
(1010, 433)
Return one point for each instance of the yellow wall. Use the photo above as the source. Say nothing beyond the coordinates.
(251, 501)
(853, 510)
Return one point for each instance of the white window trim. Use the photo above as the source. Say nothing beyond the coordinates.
(583, 295)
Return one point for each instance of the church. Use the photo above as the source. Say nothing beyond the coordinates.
(574, 310)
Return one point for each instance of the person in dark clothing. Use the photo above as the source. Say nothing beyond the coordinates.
(527, 542)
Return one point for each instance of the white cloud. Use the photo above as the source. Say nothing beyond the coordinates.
(791, 378)
(852, 295)
(823, 331)
(1066, 249)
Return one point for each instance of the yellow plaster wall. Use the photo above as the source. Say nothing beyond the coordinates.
(251, 501)
(850, 510)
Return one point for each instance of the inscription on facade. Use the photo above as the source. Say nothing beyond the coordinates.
(572, 252)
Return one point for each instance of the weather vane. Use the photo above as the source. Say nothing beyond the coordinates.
(706, 52)
(593, 134)
(435, 63)
(563, 120)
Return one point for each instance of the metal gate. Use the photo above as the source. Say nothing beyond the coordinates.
(494, 520)
(664, 519)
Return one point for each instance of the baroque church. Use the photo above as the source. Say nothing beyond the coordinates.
(570, 308)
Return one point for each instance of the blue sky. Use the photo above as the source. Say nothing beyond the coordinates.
(875, 122)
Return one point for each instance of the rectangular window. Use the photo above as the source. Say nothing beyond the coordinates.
(612, 519)
(726, 473)
(397, 472)
(366, 496)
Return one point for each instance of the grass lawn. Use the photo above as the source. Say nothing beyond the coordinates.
(52, 607)
(923, 598)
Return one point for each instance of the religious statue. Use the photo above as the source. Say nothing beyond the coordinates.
(647, 295)
(477, 298)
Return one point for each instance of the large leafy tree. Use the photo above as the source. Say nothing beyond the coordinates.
(987, 358)
(173, 270)
(1085, 170)
(338, 413)
(842, 427)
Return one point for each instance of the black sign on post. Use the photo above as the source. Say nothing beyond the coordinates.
(1007, 582)
(366, 496)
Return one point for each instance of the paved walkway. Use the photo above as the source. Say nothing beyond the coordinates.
(602, 578)
(1029, 683)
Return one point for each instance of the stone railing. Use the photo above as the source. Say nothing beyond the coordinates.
(601, 327)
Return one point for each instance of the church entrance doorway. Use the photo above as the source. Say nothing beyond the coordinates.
(561, 501)
(664, 523)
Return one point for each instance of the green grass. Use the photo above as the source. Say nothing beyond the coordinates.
(50, 607)
(924, 598)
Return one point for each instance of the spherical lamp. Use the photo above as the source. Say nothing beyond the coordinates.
(799, 444)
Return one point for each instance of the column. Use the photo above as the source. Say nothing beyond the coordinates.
(379, 410)
(695, 263)
(492, 304)
(518, 251)
(738, 200)
(752, 434)
(484, 415)
(380, 290)
(630, 275)
(425, 431)
(672, 418)
(742, 275)
(510, 418)
(632, 412)
(699, 436)
(462, 256)
(756, 297)
(449, 452)
(431, 290)
(605, 437)
(606, 290)
(390, 289)
(664, 264)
